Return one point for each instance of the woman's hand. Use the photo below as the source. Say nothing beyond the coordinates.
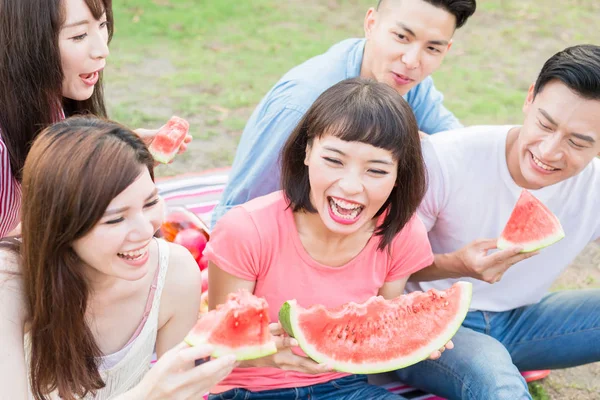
(438, 353)
(285, 358)
(148, 135)
(174, 375)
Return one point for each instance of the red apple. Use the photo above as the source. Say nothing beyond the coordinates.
(192, 240)
(202, 263)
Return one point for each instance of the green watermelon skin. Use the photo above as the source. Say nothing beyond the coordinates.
(531, 225)
(378, 335)
(239, 327)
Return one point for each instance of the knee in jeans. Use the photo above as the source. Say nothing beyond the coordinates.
(492, 375)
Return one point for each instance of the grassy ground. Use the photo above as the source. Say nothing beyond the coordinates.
(211, 61)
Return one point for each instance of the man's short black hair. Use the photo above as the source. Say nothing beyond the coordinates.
(461, 9)
(578, 67)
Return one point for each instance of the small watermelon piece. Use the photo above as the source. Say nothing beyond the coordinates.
(531, 225)
(240, 327)
(378, 335)
(166, 143)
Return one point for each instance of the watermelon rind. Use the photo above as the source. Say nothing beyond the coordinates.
(534, 245)
(288, 316)
(161, 157)
(241, 353)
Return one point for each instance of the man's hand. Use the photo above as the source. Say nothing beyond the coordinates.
(474, 261)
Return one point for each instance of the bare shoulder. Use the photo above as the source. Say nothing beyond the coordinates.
(12, 294)
(183, 283)
(183, 270)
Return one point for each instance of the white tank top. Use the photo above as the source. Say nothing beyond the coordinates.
(127, 367)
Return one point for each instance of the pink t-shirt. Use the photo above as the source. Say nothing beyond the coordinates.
(258, 241)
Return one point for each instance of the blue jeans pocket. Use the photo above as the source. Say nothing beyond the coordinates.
(348, 381)
(233, 394)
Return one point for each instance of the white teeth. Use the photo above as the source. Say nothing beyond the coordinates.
(542, 165)
(335, 208)
(345, 204)
(134, 255)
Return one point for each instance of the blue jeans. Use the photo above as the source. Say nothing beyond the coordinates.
(352, 387)
(561, 331)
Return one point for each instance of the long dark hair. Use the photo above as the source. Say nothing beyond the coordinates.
(31, 75)
(74, 170)
(361, 110)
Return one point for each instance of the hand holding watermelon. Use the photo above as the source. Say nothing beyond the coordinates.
(175, 376)
(285, 358)
(474, 261)
(170, 139)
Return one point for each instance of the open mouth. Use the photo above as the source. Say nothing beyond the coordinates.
(542, 165)
(90, 79)
(344, 211)
(135, 255)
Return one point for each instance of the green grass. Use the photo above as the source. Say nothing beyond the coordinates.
(229, 52)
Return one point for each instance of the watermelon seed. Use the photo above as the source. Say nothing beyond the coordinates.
(237, 323)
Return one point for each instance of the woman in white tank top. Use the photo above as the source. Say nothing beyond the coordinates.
(87, 294)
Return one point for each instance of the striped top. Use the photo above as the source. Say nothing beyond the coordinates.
(10, 189)
(10, 193)
(129, 368)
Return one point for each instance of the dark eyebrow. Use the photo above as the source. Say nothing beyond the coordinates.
(412, 33)
(586, 138)
(123, 209)
(82, 22)
(547, 116)
(370, 161)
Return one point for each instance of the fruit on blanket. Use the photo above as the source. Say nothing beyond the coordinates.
(170, 136)
(378, 335)
(202, 263)
(240, 326)
(531, 225)
(193, 240)
(178, 219)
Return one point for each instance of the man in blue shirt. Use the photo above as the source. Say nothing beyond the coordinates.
(405, 41)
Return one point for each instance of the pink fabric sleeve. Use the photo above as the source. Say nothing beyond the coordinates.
(234, 245)
(411, 250)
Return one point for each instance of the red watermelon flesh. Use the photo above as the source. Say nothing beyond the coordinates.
(531, 225)
(240, 327)
(168, 139)
(378, 335)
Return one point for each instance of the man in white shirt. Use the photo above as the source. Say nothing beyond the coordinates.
(475, 177)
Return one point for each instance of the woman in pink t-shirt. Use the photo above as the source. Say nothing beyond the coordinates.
(342, 229)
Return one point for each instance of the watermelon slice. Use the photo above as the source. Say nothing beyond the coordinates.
(168, 139)
(378, 335)
(531, 225)
(240, 327)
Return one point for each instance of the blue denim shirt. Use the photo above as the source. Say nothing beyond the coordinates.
(256, 167)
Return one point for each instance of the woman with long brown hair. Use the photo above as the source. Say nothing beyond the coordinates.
(52, 54)
(88, 294)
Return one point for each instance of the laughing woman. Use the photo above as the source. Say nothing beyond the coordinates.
(343, 228)
(89, 293)
(52, 54)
